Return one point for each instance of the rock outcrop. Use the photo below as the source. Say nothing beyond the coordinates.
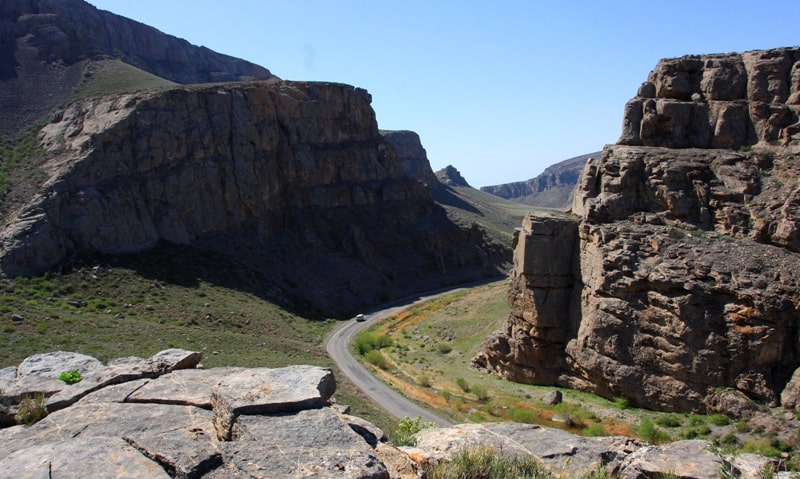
(167, 417)
(43, 42)
(554, 188)
(412, 156)
(450, 176)
(292, 179)
(675, 281)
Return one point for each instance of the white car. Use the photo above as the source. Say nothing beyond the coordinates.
(361, 317)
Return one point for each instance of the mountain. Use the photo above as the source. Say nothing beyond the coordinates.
(551, 189)
(674, 281)
(49, 47)
(292, 179)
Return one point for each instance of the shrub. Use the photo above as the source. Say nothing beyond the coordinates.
(376, 359)
(424, 381)
(463, 384)
(446, 394)
(719, 419)
(480, 393)
(523, 415)
(71, 377)
(31, 410)
(486, 463)
(766, 446)
(595, 430)
(366, 342)
(444, 348)
(621, 402)
(668, 421)
(402, 433)
(650, 433)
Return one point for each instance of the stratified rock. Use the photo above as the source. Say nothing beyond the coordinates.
(684, 459)
(680, 274)
(412, 156)
(268, 391)
(553, 188)
(289, 178)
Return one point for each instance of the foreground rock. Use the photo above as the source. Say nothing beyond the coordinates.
(674, 284)
(172, 419)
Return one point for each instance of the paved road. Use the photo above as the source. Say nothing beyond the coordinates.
(384, 396)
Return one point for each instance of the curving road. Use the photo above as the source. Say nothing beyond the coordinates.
(384, 396)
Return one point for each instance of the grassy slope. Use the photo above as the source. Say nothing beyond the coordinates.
(111, 76)
(171, 297)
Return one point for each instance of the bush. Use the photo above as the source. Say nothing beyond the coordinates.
(621, 402)
(595, 430)
(366, 342)
(376, 359)
(525, 416)
(480, 393)
(719, 419)
(446, 394)
(402, 433)
(463, 384)
(444, 348)
(766, 446)
(652, 434)
(424, 381)
(31, 410)
(668, 421)
(486, 463)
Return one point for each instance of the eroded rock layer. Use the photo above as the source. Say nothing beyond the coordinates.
(292, 179)
(676, 281)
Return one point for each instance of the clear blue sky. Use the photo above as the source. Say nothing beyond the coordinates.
(499, 89)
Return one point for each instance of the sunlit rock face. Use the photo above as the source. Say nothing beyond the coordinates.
(681, 292)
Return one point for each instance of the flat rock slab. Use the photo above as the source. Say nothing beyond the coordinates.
(269, 391)
(79, 458)
(682, 459)
(558, 450)
(190, 387)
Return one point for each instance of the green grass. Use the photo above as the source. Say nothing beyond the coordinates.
(171, 297)
(114, 76)
(486, 463)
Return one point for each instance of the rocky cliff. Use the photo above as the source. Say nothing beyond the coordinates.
(553, 188)
(44, 42)
(412, 156)
(292, 179)
(166, 416)
(674, 283)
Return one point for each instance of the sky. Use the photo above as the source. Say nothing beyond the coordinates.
(499, 89)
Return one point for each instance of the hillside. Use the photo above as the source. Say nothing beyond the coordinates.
(47, 48)
(553, 188)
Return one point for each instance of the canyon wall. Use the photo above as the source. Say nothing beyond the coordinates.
(292, 179)
(675, 281)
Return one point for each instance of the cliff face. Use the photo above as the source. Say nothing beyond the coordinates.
(42, 44)
(677, 277)
(553, 188)
(292, 179)
(412, 156)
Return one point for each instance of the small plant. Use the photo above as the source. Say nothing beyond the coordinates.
(71, 377)
(446, 394)
(595, 430)
(424, 380)
(31, 410)
(403, 432)
(525, 416)
(481, 394)
(444, 348)
(621, 402)
(463, 384)
(486, 463)
(745, 148)
(652, 434)
(719, 419)
(668, 421)
(376, 359)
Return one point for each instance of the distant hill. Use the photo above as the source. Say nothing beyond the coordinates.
(49, 48)
(551, 189)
